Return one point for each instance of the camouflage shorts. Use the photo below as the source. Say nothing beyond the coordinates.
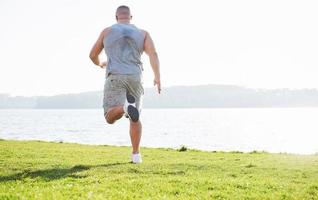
(117, 85)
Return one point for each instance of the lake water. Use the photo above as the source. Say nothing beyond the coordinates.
(291, 130)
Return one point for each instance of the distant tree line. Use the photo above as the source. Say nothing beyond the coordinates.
(177, 97)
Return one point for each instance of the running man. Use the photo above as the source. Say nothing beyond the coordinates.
(124, 44)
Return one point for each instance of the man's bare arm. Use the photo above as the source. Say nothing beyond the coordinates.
(97, 48)
(150, 50)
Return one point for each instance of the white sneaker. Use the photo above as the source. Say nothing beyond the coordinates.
(136, 158)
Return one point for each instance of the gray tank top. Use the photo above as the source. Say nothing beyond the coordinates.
(124, 46)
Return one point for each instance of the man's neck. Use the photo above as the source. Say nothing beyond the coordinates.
(123, 22)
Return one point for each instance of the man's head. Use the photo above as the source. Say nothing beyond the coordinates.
(123, 14)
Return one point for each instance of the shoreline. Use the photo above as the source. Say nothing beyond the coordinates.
(167, 148)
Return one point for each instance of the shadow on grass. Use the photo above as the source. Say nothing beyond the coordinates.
(55, 173)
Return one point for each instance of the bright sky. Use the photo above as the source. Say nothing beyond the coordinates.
(44, 45)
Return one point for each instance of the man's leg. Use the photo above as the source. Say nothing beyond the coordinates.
(135, 88)
(135, 135)
(114, 98)
(114, 113)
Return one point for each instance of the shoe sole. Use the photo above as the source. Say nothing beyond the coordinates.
(130, 98)
(133, 113)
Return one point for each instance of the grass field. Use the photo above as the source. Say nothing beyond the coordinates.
(47, 170)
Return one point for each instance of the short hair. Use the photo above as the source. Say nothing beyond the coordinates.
(122, 7)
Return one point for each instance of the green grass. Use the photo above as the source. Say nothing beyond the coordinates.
(47, 170)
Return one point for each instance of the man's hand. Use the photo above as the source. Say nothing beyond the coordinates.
(157, 82)
(103, 64)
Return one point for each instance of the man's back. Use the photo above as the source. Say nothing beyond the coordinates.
(124, 45)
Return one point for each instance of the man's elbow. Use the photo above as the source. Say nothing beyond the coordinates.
(92, 56)
(153, 54)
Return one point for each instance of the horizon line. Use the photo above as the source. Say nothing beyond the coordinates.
(171, 86)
